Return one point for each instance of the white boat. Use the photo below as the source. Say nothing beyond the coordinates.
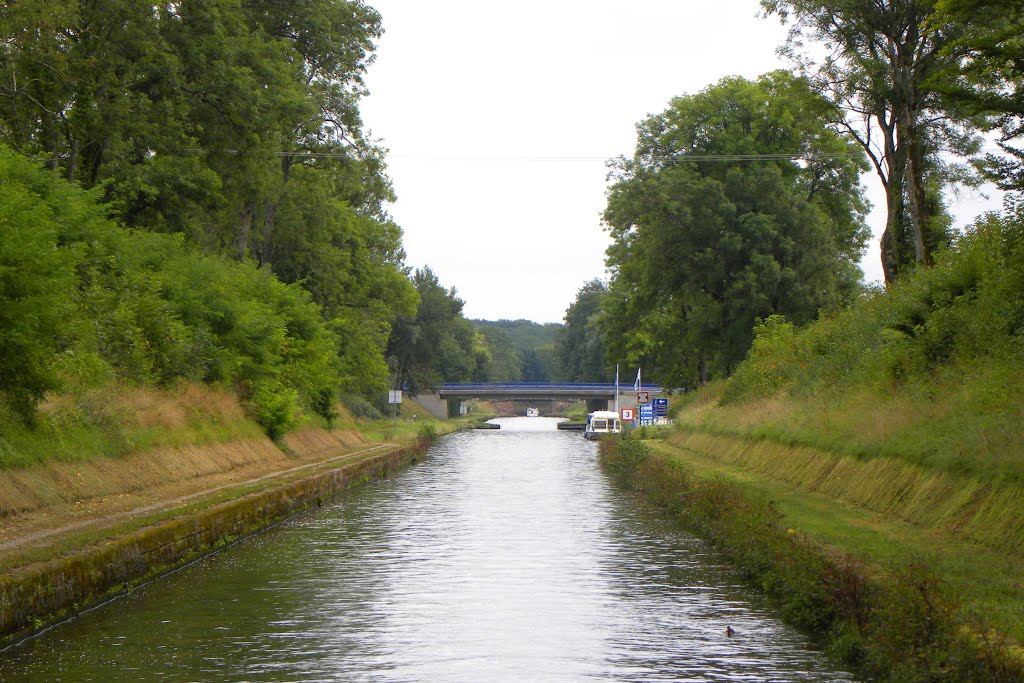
(532, 412)
(601, 422)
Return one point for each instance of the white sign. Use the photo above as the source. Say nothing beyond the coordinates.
(394, 395)
(643, 397)
(628, 414)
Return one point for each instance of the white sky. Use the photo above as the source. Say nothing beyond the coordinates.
(499, 118)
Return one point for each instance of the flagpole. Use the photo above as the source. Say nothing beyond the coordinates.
(616, 388)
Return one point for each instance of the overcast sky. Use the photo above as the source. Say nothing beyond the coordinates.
(499, 119)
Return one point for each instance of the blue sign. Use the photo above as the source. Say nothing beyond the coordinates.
(660, 402)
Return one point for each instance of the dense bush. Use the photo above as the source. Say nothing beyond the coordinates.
(970, 305)
(360, 407)
(427, 433)
(84, 301)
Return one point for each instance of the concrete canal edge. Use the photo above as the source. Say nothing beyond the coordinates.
(35, 597)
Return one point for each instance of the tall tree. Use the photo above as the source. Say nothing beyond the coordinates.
(739, 203)
(233, 123)
(580, 342)
(881, 57)
(435, 345)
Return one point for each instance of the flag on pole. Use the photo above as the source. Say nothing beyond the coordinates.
(616, 387)
(636, 384)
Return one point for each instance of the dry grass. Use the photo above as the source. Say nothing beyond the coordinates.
(991, 514)
(56, 492)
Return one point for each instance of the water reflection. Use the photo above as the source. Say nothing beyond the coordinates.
(505, 556)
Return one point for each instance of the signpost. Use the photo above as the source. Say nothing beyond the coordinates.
(646, 414)
(660, 407)
(643, 397)
(394, 398)
(628, 414)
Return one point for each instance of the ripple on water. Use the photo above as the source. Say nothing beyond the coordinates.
(506, 555)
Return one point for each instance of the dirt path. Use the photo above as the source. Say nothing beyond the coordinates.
(38, 529)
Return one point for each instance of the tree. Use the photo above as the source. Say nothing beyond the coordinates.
(501, 361)
(37, 278)
(987, 81)
(435, 345)
(580, 343)
(235, 124)
(882, 56)
(739, 203)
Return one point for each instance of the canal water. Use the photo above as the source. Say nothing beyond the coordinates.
(505, 555)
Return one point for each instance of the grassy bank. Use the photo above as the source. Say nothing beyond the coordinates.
(121, 419)
(894, 619)
(175, 475)
(44, 591)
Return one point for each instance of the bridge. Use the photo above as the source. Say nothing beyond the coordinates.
(598, 396)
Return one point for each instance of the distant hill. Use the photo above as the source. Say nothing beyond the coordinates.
(522, 350)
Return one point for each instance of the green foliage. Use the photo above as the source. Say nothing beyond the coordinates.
(651, 432)
(703, 248)
(518, 350)
(879, 72)
(85, 301)
(987, 79)
(928, 371)
(360, 407)
(758, 375)
(232, 124)
(624, 454)
(275, 407)
(581, 343)
(969, 306)
(435, 345)
(36, 279)
(427, 432)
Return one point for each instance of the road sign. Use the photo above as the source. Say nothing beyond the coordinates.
(643, 397)
(628, 414)
(660, 402)
(394, 395)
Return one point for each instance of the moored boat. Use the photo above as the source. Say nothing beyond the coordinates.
(601, 422)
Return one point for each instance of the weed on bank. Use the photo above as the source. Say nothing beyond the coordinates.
(892, 626)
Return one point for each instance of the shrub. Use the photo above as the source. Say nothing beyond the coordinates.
(275, 408)
(969, 305)
(427, 432)
(361, 408)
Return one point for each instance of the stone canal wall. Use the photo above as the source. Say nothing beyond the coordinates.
(35, 596)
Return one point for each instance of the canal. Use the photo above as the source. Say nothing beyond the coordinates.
(505, 555)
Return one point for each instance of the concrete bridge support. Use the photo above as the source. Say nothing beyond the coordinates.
(435, 405)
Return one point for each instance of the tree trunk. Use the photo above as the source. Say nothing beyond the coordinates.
(72, 160)
(914, 178)
(892, 255)
(267, 233)
(891, 242)
(916, 200)
(242, 237)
